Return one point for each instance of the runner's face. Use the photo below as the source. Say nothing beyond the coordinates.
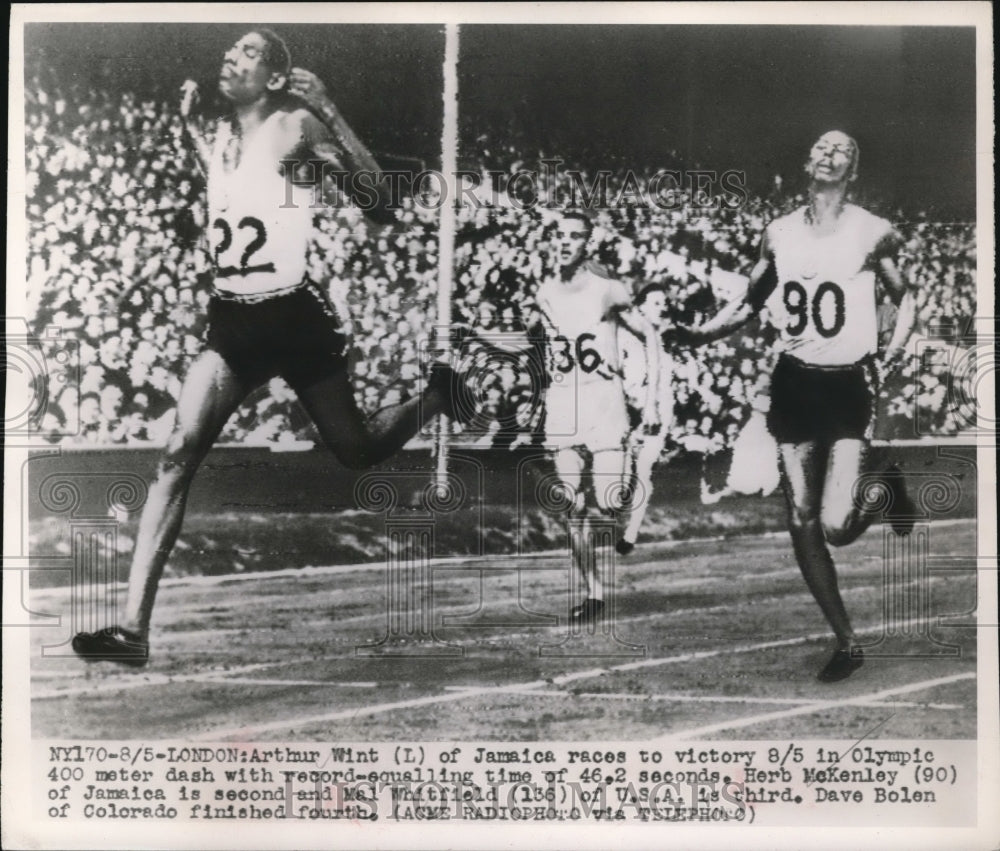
(652, 306)
(570, 240)
(245, 76)
(831, 159)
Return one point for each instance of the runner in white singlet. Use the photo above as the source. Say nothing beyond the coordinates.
(820, 271)
(266, 318)
(257, 242)
(586, 422)
(646, 444)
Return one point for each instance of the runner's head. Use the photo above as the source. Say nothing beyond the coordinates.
(572, 234)
(651, 301)
(256, 66)
(833, 159)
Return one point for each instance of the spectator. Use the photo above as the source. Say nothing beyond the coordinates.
(115, 213)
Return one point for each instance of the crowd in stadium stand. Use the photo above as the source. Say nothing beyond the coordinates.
(117, 260)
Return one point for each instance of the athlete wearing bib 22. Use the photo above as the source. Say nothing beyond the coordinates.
(265, 317)
(819, 268)
(258, 244)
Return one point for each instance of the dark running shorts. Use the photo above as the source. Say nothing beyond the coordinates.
(294, 335)
(824, 403)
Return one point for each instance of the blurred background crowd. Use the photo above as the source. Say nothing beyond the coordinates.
(117, 260)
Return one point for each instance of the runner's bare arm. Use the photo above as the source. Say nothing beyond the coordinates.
(903, 297)
(763, 279)
(337, 144)
(634, 321)
(189, 97)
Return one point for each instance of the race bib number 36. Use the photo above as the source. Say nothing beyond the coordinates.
(581, 354)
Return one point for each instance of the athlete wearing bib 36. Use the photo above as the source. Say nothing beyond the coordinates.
(821, 270)
(266, 318)
(583, 363)
(586, 422)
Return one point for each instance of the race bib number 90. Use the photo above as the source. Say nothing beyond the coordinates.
(824, 311)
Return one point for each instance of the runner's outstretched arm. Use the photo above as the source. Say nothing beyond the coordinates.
(906, 317)
(189, 97)
(763, 280)
(336, 143)
(635, 322)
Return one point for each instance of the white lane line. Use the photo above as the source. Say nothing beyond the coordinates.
(507, 561)
(761, 601)
(217, 677)
(820, 706)
(251, 730)
(140, 679)
(871, 629)
(691, 656)
(263, 681)
(710, 698)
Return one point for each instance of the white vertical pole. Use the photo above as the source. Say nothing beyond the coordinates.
(446, 231)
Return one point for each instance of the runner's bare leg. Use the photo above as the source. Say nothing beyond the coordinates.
(608, 468)
(569, 467)
(211, 392)
(804, 468)
(648, 454)
(843, 520)
(359, 442)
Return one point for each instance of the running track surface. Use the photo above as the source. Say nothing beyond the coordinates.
(712, 639)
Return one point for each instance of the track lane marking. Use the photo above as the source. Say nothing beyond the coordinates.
(249, 731)
(128, 680)
(856, 590)
(445, 562)
(710, 698)
(114, 684)
(819, 706)
(266, 681)
(123, 680)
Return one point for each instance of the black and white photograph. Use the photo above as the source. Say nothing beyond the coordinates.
(421, 421)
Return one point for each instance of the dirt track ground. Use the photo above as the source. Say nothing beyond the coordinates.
(712, 639)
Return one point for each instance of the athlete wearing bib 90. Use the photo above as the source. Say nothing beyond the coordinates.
(825, 310)
(824, 304)
(818, 270)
